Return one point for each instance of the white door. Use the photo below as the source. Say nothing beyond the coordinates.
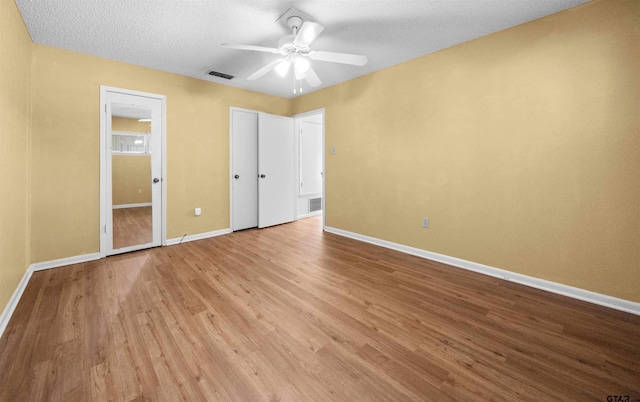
(276, 169)
(133, 223)
(244, 170)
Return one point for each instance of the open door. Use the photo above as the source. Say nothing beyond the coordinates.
(276, 170)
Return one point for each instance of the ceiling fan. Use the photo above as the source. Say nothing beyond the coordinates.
(296, 52)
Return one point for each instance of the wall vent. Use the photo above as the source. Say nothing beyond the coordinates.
(315, 204)
(221, 75)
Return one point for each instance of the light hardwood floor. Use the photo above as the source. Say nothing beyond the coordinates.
(132, 226)
(292, 313)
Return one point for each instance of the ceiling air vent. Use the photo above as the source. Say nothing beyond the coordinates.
(221, 75)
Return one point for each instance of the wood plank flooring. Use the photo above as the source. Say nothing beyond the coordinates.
(292, 313)
(132, 226)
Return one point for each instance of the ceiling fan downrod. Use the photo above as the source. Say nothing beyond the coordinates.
(294, 23)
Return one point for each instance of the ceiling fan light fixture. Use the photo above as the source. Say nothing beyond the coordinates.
(301, 65)
(282, 68)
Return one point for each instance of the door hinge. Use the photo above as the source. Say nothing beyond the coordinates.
(105, 228)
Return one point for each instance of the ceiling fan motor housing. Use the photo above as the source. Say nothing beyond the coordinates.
(285, 45)
(294, 23)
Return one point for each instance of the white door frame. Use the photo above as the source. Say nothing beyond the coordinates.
(297, 118)
(103, 162)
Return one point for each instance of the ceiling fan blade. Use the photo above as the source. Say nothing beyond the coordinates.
(343, 58)
(250, 47)
(263, 70)
(312, 78)
(309, 31)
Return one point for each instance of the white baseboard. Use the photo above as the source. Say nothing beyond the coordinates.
(549, 286)
(39, 266)
(13, 302)
(199, 236)
(142, 204)
(314, 213)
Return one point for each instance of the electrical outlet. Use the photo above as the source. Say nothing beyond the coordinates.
(198, 212)
(425, 222)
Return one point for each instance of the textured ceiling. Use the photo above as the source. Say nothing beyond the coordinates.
(130, 111)
(184, 36)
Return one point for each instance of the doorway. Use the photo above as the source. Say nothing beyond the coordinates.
(310, 151)
(133, 191)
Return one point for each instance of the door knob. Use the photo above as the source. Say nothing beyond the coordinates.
(236, 176)
(262, 176)
(155, 180)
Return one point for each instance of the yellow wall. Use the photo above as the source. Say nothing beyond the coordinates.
(130, 125)
(15, 141)
(131, 179)
(66, 114)
(522, 148)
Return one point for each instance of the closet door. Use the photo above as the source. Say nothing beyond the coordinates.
(276, 158)
(244, 170)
